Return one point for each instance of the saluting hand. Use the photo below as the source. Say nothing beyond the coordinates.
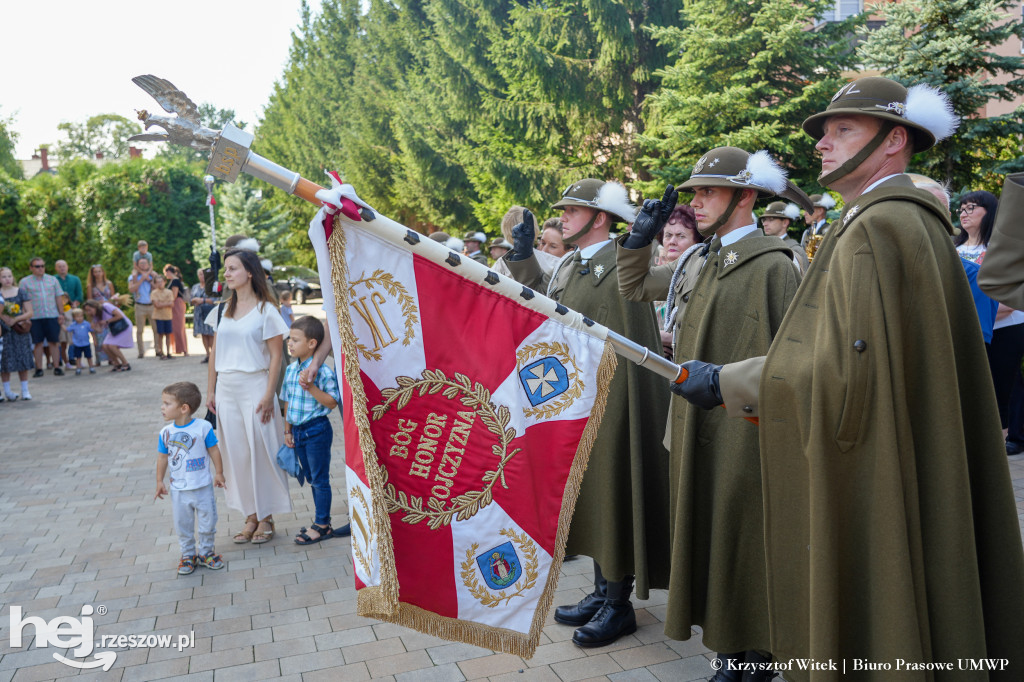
(652, 219)
(523, 235)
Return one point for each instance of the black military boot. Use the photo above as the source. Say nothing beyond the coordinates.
(761, 670)
(613, 620)
(581, 612)
(729, 668)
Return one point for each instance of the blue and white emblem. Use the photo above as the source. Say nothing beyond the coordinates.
(500, 566)
(544, 379)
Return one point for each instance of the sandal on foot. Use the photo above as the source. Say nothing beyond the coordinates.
(261, 535)
(187, 565)
(324, 532)
(246, 534)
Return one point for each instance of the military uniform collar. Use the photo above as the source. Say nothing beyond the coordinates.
(589, 252)
(745, 250)
(738, 234)
(878, 182)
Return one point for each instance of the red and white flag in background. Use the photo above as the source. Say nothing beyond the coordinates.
(468, 419)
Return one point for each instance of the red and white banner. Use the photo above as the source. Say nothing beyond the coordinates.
(469, 414)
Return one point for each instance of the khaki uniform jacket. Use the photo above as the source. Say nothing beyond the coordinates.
(718, 563)
(621, 517)
(799, 252)
(479, 257)
(890, 524)
(1002, 272)
(638, 281)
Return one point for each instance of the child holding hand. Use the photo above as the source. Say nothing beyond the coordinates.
(308, 428)
(186, 448)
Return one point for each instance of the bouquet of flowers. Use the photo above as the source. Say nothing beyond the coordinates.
(12, 309)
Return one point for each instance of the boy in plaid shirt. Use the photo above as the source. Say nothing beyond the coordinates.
(308, 428)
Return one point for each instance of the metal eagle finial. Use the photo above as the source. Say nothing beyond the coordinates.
(184, 129)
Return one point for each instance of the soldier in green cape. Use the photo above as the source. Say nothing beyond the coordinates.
(891, 531)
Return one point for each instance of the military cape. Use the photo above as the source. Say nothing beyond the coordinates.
(891, 528)
(620, 519)
(718, 567)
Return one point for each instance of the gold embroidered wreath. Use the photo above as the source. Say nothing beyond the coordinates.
(496, 419)
(480, 592)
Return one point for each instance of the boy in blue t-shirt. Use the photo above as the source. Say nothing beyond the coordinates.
(186, 447)
(81, 342)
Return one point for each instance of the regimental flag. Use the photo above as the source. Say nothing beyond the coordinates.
(469, 415)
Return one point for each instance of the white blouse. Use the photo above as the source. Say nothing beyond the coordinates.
(241, 344)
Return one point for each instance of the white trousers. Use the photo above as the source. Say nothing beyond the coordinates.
(190, 506)
(255, 484)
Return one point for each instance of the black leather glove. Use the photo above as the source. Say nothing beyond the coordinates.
(651, 220)
(701, 387)
(523, 235)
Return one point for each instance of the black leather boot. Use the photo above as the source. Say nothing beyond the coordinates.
(613, 620)
(728, 667)
(761, 671)
(581, 612)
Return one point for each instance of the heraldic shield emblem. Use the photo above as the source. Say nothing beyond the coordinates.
(544, 379)
(500, 566)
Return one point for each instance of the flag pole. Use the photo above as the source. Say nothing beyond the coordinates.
(231, 154)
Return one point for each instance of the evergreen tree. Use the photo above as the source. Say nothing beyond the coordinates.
(241, 210)
(748, 74)
(8, 138)
(949, 44)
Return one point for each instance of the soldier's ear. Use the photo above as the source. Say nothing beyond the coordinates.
(899, 142)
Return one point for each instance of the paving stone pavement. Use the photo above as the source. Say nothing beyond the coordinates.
(79, 526)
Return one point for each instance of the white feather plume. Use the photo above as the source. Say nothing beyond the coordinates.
(248, 244)
(267, 264)
(455, 244)
(826, 201)
(765, 172)
(614, 198)
(930, 108)
(792, 211)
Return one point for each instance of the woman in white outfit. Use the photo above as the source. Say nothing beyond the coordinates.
(244, 365)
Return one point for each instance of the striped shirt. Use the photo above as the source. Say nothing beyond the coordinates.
(302, 406)
(43, 292)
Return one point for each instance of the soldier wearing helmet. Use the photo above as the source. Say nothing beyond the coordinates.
(620, 519)
(890, 524)
(744, 284)
(775, 222)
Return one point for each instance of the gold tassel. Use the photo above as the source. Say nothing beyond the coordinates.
(387, 599)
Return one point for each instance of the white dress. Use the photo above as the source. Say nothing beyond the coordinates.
(255, 484)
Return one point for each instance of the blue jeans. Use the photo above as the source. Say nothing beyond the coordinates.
(313, 448)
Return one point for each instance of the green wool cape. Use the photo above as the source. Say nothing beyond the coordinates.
(891, 528)
(620, 518)
(718, 567)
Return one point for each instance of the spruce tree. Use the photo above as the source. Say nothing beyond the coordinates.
(950, 44)
(748, 74)
(241, 209)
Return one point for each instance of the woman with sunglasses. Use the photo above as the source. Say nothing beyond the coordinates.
(977, 215)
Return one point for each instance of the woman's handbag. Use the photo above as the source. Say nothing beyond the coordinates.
(22, 326)
(117, 326)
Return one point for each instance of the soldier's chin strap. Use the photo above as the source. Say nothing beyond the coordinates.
(826, 179)
(584, 229)
(737, 194)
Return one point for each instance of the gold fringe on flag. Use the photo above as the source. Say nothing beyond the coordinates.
(382, 599)
(382, 602)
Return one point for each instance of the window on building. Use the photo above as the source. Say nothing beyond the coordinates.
(844, 9)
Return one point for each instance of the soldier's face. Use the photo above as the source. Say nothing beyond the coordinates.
(775, 227)
(709, 203)
(574, 219)
(844, 136)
